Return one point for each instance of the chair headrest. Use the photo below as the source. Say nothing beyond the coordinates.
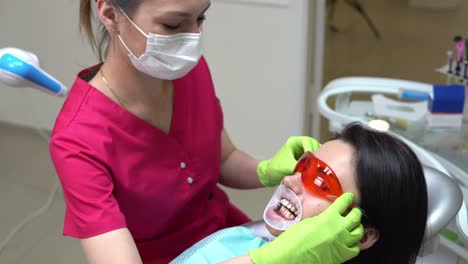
(445, 199)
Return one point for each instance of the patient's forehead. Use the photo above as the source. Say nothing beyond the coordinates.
(339, 156)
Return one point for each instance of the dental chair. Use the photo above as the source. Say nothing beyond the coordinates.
(442, 177)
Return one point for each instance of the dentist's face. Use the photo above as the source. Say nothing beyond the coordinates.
(163, 17)
(339, 156)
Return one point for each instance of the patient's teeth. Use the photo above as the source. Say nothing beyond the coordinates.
(282, 209)
(287, 214)
(287, 204)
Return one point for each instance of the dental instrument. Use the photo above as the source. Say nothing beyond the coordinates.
(450, 61)
(460, 47)
(465, 70)
(20, 68)
(466, 49)
(457, 71)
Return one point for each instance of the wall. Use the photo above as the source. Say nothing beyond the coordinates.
(259, 61)
(248, 61)
(246, 49)
(49, 29)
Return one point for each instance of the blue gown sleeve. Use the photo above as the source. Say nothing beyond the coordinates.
(220, 246)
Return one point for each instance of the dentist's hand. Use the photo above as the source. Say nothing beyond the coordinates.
(271, 172)
(324, 239)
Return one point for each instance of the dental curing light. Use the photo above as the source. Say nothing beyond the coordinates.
(19, 68)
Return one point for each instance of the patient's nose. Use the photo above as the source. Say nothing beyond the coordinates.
(294, 183)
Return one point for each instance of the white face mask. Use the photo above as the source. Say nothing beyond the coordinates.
(167, 57)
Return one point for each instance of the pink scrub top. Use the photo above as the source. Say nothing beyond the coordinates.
(119, 171)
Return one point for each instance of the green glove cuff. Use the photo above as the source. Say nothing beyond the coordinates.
(256, 255)
(261, 173)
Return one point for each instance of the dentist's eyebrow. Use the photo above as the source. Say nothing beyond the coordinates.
(185, 14)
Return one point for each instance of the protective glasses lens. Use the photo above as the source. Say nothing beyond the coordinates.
(318, 178)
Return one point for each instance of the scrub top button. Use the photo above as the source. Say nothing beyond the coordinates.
(210, 196)
(183, 165)
(190, 180)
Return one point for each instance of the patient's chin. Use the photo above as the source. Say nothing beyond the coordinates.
(273, 231)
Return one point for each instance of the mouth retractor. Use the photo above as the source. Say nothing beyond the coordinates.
(283, 196)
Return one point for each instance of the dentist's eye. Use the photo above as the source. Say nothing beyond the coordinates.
(201, 19)
(170, 27)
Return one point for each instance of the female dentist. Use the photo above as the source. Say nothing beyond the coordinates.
(139, 146)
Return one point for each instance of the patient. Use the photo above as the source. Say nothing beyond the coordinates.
(381, 171)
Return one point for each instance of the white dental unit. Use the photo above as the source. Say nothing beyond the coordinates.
(446, 171)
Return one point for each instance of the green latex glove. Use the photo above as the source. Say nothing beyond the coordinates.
(326, 238)
(271, 172)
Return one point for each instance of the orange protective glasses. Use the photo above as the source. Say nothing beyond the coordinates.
(318, 178)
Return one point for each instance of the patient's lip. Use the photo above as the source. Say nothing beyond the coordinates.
(273, 215)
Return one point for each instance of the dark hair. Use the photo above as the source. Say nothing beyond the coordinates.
(99, 44)
(393, 192)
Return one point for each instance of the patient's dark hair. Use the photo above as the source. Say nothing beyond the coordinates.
(393, 193)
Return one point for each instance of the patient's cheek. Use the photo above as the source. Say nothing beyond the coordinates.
(314, 208)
